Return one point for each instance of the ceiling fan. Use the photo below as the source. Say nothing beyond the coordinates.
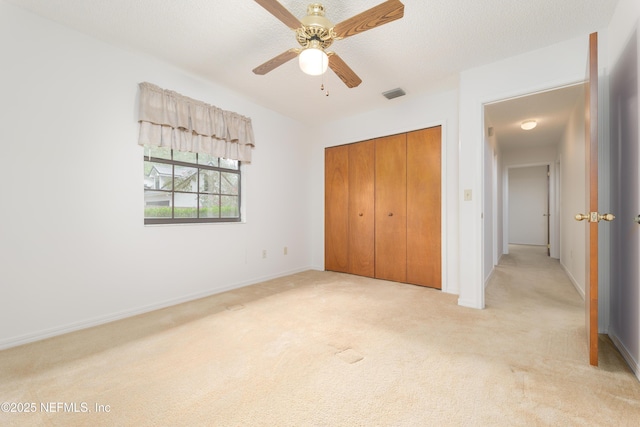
(315, 33)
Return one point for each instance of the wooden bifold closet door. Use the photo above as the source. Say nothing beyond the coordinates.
(361, 208)
(383, 208)
(391, 208)
(336, 203)
(424, 235)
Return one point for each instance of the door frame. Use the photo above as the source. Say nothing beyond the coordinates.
(552, 230)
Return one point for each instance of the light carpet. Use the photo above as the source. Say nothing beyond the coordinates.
(330, 349)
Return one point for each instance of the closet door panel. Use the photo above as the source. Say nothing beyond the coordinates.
(391, 208)
(336, 226)
(424, 262)
(361, 208)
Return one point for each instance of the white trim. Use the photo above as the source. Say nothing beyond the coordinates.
(72, 327)
(573, 281)
(445, 286)
(489, 277)
(479, 103)
(495, 207)
(635, 367)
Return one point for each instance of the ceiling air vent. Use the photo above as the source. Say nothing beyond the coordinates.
(394, 93)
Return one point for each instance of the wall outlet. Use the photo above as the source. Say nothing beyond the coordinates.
(286, 250)
(264, 253)
(467, 195)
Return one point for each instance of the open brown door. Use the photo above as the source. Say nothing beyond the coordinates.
(591, 140)
(592, 215)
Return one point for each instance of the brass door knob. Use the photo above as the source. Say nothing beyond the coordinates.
(637, 219)
(606, 217)
(390, 213)
(595, 217)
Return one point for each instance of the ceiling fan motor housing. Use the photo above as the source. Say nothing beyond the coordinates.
(315, 26)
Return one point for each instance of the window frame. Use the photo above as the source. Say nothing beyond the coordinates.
(173, 163)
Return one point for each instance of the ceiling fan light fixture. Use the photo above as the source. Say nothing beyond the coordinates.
(313, 61)
(315, 33)
(528, 124)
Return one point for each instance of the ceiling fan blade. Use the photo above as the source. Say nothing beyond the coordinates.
(372, 18)
(280, 12)
(343, 71)
(276, 62)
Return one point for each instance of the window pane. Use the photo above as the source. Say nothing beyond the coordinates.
(209, 206)
(186, 205)
(186, 179)
(157, 204)
(182, 156)
(159, 152)
(229, 164)
(229, 183)
(202, 192)
(229, 207)
(209, 181)
(157, 176)
(207, 159)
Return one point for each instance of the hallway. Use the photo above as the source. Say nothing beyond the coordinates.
(534, 289)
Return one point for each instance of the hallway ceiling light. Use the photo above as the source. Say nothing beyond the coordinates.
(528, 124)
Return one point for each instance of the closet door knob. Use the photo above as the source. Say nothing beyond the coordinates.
(390, 213)
(360, 214)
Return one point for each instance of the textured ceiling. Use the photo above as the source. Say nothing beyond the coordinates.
(550, 109)
(223, 40)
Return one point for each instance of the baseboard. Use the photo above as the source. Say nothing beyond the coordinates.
(633, 364)
(101, 320)
(573, 280)
(488, 279)
(469, 304)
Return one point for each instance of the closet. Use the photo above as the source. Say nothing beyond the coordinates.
(382, 208)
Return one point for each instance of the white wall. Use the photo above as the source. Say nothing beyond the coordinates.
(624, 63)
(403, 115)
(73, 248)
(551, 67)
(528, 193)
(573, 198)
(531, 156)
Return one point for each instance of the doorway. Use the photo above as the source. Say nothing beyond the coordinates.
(528, 206)
(552, 150)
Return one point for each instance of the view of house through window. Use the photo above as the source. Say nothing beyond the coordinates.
(182, 187)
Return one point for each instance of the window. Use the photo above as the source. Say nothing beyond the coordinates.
(181, 187)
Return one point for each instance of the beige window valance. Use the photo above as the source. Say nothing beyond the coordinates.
(168, 119)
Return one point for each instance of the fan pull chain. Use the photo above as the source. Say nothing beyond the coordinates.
(326, 93)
